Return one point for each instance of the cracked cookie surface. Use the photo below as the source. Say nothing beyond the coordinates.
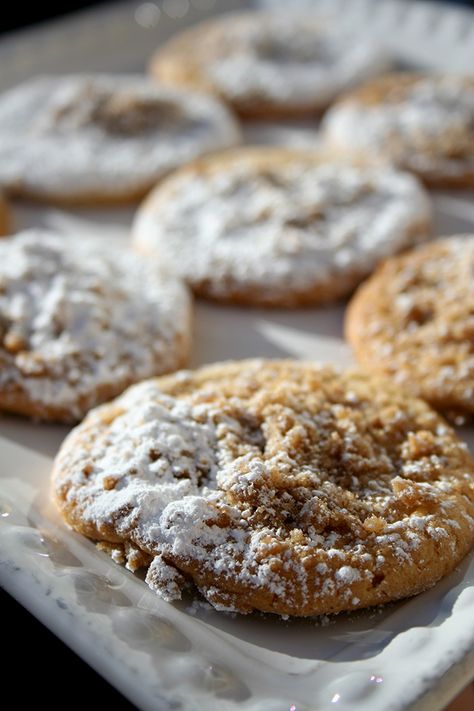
(103, 138)
(278, 227)
(421, 123)
(80, 321)
(268, 65)
(413, 320)
(279, 486)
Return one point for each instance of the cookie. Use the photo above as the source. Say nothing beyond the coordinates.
(279, 486)
(4, 215)
(103, 138)
(80, 321)
(268, 65)
(276, 227)
(423, 123)
(413, 320)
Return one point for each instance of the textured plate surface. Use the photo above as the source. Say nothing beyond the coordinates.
(413, 654)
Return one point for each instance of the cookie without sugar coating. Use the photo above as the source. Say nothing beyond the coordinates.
(413, 321)
(421, 123)
(268, 65)
(279, 486)
(103, 138)
(80, 321)
(277, 227)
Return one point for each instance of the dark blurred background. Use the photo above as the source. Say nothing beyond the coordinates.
(21, 14)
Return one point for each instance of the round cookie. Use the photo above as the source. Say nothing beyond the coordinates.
(79, 322)
(279, 486)
(423, 123)
(268, 65)
(277, 227)
(103, 138)
(4, 215)
(413, 320)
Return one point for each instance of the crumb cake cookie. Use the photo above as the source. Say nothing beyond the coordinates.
(277, 227)
(103, 138)
(268, 65)
(421, 123)
(413, 320)
(278, 486)
(79, 322)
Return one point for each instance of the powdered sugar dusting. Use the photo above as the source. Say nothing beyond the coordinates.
(256, 482)
(427, 126)
(118, 133)
(347, 575)
(284, 59)
(75, 317)
(418, 323)
(282, 62)
(279, 228)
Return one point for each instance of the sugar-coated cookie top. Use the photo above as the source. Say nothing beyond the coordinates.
(77, 315)
(273, 59)
(290, 58)
(414, 320)
(416, 120)
(278, 222)
(300, 485)
(103, 135)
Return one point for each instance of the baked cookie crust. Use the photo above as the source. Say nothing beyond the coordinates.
(80, 321)
(267, 65)
(98, 139)
(278, 227)
(423, 123)
(4, 216)
(413, 320)
(279, 486)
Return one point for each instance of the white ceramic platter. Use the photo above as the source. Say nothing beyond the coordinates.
(416, 654)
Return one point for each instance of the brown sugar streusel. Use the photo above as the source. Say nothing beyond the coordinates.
(278, 486)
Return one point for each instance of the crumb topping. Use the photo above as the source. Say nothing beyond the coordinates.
(420, 329)
(122, 113)
(74, 317)
(280, 479)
